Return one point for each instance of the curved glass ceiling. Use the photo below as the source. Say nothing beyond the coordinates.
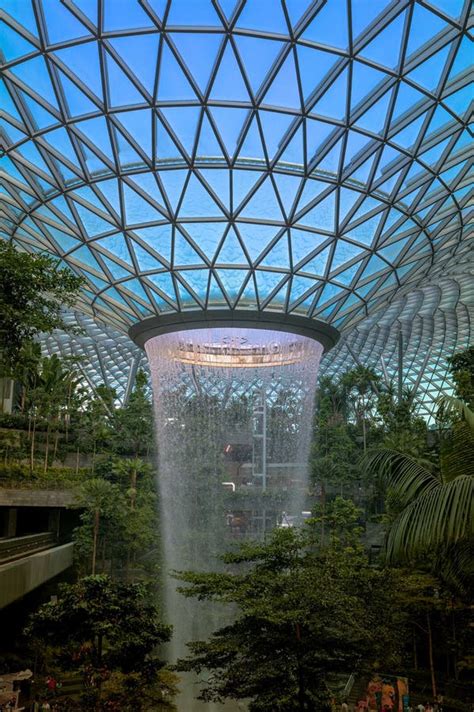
(304, 157)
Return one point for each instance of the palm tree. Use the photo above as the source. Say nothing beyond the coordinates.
(98, 497)
(437, 508)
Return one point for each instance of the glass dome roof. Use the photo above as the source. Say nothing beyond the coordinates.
(308, 157)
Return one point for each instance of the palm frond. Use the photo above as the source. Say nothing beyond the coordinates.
(440, 516)
(406, 476)
(450, 404)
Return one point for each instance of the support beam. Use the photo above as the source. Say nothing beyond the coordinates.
(400, 365)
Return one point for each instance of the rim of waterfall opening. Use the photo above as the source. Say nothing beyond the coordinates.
(323, 333)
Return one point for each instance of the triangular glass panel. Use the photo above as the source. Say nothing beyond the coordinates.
(424, 26)
(364, 80)
(164, 282)
(316, 265)
(96, 131)
(219, 181)
(138, 125)
(316, 134)
(23, 13)
(329, 292)
(300, 286)
(314, 64)
(287, 187)
(248, 298)
(231, 252)
(267, 282)
(263, 204)
(343, 253)
(138, 210)
(385, 47)
(215, 295)
(41, 117)
(322, 215)
(279, 255)
(198, 280)
(147, 182)
(173, 183)
(201, 14)
(329, 26)
(274, 127)
(146, 261)
(117, 271)
(121, 90)
(59, 139)
(183, 121)
(266, 50)
(159, 238)
(428, 74)
(116, 245)
(283, 90)
(252, 146)
(132, 49)
(207, 235)
(198, 201)
(228, 83)
(263, 15)
(375, 117)
(124, 17)
(347, 200)
(166, 148)
(354, 144)
(330, 162)
(208, 145)
(199, 51)
(232, 280)
(34, 72)
(406, 100)
(312, 188)
(126, 152)
(184, 253)
(347, 275)
(256, 237)
(333, 101)
(93, 224)
(459, 102)
(303, 244)
(230, 123)
(364, 13)
(294, 151)
(172, 84)
(83, 61)
(365, 232)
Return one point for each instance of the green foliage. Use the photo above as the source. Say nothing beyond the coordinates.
(133, 424)
(101, 627)
(462, 371)
(33, 291)
(303, 614)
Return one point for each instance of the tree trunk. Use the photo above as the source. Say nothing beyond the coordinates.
(323, 511)
(95, 540)
(415, 652)
(133, 487)
(32, 448)
(430, 654)
(46, 452)
(301, 684)
(77, 461)
(56, 442)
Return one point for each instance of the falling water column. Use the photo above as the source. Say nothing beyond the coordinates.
(207, 382)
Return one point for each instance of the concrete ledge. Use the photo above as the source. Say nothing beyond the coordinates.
(13, 497)
(18, 578)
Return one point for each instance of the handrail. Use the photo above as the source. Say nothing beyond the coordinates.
(23, 545)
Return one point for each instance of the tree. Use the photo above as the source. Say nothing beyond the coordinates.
(133, 423)
(100, 627)
(437, 508)
(33, 291)
(302, 614)
(361, 388)
(100, 499)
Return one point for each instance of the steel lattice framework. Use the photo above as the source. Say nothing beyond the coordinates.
(306, 157)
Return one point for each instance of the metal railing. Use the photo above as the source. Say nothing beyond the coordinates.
(20, 546)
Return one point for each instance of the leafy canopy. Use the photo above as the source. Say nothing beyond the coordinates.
(33, 290)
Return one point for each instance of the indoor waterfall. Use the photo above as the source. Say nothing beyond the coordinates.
(233, 415)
